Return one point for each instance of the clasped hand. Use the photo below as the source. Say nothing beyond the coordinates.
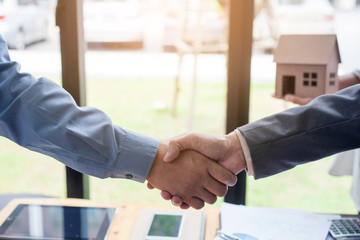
(196, 168)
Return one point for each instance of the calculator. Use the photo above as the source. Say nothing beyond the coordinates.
(345, 227)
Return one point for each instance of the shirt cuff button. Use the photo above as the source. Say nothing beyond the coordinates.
(129, 176)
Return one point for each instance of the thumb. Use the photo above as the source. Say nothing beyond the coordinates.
(173, 151)
(210, 146)
(178, 144)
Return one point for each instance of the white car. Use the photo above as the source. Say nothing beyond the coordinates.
(22, 22)
(114, 21)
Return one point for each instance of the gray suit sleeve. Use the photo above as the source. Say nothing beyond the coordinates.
(328, 125)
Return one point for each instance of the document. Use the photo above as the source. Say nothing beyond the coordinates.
(261, 223)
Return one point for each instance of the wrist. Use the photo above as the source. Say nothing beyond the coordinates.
(245, 153)
(236, 151)
(162, 149)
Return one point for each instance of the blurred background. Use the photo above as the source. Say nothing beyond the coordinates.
(137, 49)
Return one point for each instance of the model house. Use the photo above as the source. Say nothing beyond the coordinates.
(306, 65)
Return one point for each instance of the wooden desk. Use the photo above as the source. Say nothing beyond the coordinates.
(125, 218)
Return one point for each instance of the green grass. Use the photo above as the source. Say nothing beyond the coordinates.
(130, 103)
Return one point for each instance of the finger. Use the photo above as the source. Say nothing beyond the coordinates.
(209, 197)
(291, 98)
(166, 195)
(196, 203)
(274, 96)
(206, 196)
(222, 175)
(149, 186)
(176, 201)
(216, 188)
(297, 100)
(184, 206)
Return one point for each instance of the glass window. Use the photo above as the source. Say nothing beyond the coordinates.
(332, 83)
(306, 75)
(306, 83)
(332, 75)
(314, 75)
(313, 83)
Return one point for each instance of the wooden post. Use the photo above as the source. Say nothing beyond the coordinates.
(69, 18)
(239, 65)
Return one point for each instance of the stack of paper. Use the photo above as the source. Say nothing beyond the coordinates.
(273, 223)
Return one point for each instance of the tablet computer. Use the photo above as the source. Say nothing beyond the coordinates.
(52, 222)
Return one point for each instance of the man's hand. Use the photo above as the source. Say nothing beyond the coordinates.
(345, 81)
(226, 150)
(295, 99)
(192, 177)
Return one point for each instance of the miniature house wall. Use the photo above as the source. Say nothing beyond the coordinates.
(306, 65)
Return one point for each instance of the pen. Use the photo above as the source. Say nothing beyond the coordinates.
(226, 236)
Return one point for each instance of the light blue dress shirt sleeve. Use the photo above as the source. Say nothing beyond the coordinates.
(40, 115)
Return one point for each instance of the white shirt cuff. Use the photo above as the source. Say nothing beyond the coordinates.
(249, 167)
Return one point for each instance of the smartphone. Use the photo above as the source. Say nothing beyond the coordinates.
(165, 226)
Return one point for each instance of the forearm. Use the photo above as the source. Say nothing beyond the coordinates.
(43, 117)
(328, 125)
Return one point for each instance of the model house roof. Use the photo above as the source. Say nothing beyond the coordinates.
(306, 49)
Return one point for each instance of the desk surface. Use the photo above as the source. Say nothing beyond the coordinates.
(124, 220)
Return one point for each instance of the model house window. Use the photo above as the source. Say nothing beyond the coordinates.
(332, 75)
(314, 79)
(306, 81)
(332, 83)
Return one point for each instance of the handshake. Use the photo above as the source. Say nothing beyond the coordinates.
(196, 168)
